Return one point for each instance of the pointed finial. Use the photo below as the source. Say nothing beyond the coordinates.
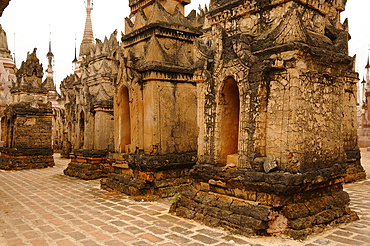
(14, 51)
(368, 57)
(89, 6)
(50, 54)
(75, 59)
(88, 36)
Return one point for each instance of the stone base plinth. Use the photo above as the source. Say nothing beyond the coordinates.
(363, 141)
(354, 170)
(138, 175)
(257, 203)
(20, 159)
(88, 164)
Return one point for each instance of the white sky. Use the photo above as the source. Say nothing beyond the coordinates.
(32, 21)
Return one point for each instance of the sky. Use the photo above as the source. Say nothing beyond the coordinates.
(31, 24)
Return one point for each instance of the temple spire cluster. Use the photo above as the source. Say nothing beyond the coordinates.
(246, 109)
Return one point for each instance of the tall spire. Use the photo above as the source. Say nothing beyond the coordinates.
(367, 67)
(49, 81)
(88, 37)
(50, 54)
(14, 60)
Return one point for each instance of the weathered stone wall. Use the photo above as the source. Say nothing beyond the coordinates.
(14, 159)
(163, 118)
(58, 128)
(28, 121)
(305, 116)
(32, 129)
(104, 124)
(70, 87)
(355, 171)
(280, 167)
(237, 54)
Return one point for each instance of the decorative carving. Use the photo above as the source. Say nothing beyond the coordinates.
(29, 75)
(287, 70)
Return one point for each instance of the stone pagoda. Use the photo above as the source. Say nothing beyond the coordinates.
(155, 108)
(277, 118)
(53, 97)
(87, 96)
(28, 121)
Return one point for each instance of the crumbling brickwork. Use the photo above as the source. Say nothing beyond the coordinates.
(28, 121)
(160, 175)
(88, 164)
(273, 160)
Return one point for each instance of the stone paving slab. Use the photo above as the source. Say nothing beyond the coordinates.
(45, 207)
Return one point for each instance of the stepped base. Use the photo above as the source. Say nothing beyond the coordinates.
(149, 175)
(17, 159)
(258, 203)
(88, 164)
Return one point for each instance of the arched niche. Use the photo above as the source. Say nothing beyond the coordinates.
(2, 127)
(82, 129)
(124, 118)
(229, 121)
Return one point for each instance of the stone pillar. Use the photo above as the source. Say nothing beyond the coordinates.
(155, 101)
(103, 129)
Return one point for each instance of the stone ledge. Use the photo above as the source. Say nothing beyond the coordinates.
(91, 153)
(139, 175)
(307, 213)
(19, 162)
(277, 183)
(24, 109)
(155, 163)
(86, 171)
(88, 164)
(26, 151)
(161, 184)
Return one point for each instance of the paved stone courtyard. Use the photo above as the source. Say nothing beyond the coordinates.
(45, 207)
